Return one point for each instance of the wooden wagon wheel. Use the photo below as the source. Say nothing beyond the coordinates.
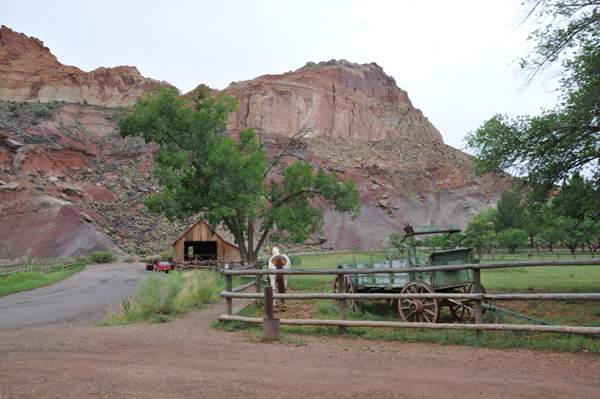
(424, 310)
(351, 304)
(462, 310)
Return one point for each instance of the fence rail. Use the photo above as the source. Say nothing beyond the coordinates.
(430, 326)
(41, 266)
(494, 297)
(477, 297)
(390, 270)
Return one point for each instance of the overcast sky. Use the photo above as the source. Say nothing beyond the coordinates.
(458, 59)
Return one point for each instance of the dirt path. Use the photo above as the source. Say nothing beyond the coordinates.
(188, 358)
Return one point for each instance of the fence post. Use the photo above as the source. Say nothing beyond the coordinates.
(477, 289)
(258, 283)
(229, 288)
(341, 288)
(270, 323)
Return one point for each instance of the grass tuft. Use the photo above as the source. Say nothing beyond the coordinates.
(162, 297)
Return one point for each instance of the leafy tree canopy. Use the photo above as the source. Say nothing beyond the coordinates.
(547, 149)
(512, 239)
(481, 233)
(203, 171)
(511, 213)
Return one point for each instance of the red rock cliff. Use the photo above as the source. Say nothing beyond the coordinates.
(332, 99)
(29, 72)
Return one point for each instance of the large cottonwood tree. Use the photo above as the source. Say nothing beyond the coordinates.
(205, 172)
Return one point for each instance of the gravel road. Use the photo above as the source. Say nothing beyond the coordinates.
(188, 358)
(83, 296)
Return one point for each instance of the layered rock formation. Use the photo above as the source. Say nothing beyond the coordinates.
(29, 72)
(331, 99)
(69, 184)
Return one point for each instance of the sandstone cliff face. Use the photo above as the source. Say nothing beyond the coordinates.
(29, 72)
(331, 99)
(70, 184)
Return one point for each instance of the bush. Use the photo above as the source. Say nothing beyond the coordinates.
(102, 257)
(161, 297)
(199, 288)
(167, 254)
(157, 293)
(296, 260)
(129, 259)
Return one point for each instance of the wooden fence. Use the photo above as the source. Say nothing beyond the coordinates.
(477, 297)
(37, 265)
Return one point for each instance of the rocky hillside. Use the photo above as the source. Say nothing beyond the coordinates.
(29, 72)
(69, 184)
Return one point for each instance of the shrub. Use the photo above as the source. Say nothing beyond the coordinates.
(296, 260)
(160, 297)
(41, 113)
(129, 258)
(157, 293)
(199, 288)
(167, 254)
(102, 257)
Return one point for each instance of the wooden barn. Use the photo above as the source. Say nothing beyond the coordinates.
(199, 242)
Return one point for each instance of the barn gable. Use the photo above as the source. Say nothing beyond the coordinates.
(201, 243)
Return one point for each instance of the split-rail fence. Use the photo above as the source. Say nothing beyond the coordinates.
(477, 296)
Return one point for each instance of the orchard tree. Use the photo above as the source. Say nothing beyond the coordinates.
(511, 213)
(512, 239)
(572, 234)
(204, 172)
(480, 232)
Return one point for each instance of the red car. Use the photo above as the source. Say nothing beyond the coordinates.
(160, 266)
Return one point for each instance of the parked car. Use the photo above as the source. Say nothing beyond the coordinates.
(160, 266)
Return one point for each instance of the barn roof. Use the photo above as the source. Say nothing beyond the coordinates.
(220, 231)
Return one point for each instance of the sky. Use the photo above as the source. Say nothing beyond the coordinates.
(457, 59)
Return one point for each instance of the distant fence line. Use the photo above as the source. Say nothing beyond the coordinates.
(36, 265)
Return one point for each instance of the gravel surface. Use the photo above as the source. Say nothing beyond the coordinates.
(188, 358)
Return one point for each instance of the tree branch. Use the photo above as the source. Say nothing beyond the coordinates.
(299, 134)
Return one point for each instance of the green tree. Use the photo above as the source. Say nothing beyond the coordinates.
(575, 199)
(512, 239)
(548, 148)
(590, 230)
(550, 235)
(511, 213)
(203, 171)
(571, 234)
(480, 232)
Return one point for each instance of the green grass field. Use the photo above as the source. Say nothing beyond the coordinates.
(532, 279)
(18, 282)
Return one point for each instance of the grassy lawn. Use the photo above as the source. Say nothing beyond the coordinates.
(533, 279)
(29, 280)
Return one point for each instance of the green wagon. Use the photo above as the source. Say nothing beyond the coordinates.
(425, 309)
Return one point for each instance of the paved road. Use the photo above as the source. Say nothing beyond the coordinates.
(84, 295)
